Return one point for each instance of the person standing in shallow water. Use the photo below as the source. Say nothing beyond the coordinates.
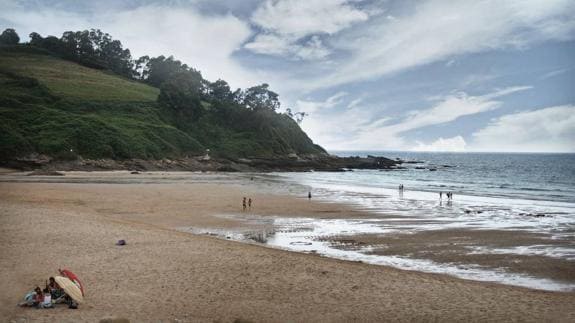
(440, 195)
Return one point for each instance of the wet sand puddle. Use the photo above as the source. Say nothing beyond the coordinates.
(376, 241)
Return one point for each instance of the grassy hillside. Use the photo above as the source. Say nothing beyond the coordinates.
(71, 80)
(59, 108)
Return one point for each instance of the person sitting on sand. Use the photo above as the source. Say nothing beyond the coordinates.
(39, 297)
(47, 301)
(33, 299)
(56, 292)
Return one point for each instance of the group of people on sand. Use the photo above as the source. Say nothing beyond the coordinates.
(49, 296)
(247, 203)
(448, 194)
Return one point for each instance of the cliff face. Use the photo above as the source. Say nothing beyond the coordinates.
(68, 113)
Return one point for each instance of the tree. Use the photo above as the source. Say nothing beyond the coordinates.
(69, 45)
(53, 44)
(9, 37)
(181, 93)
(220, 91)
(298, 116)
(92, 48)
(35, 39)
(261, 98)
(160, 69)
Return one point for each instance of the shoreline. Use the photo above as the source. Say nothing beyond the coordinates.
(261, 284)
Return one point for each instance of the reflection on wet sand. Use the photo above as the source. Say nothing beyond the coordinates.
(510, 257)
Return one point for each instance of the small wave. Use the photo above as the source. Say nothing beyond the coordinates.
(536, 189)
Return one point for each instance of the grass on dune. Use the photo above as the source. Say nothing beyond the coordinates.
(74, 81)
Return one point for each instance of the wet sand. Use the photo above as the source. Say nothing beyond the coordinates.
(164, 274)
(464, 247)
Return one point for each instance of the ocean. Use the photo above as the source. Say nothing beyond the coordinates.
(496, 183)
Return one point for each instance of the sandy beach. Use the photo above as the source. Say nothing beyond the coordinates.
(164, 274)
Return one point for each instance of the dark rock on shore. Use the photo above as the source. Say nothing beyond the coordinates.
(288, 163)
(42, 172)
(30, 162)
(535, 215)
(321, 163)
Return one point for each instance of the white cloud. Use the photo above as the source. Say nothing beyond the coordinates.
(546, 130)
(330, 129)
(451, 108)
(554, 73)
(269, 44)
(354, 103)
(311, 107)
(440, 30)
(204, 42)
(304, 17)
(273, 44)
(362, 129)
(453, 144)
(287, 23)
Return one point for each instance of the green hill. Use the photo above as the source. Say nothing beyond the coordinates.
(71, 80)
(62, 109)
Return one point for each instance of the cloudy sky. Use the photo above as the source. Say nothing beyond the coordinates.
(477, 75)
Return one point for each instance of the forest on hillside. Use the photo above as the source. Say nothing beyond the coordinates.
(96, 49)
(190, 114)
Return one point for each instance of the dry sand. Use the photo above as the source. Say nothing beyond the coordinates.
(166, 275)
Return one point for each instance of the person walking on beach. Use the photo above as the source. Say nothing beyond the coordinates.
(244, 203)
(309, 195)
(250, 203)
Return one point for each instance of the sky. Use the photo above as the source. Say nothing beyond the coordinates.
(429, 75)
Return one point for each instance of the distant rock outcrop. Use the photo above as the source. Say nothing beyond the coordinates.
(288, 163)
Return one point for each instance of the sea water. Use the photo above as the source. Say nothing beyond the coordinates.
(530, 191)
